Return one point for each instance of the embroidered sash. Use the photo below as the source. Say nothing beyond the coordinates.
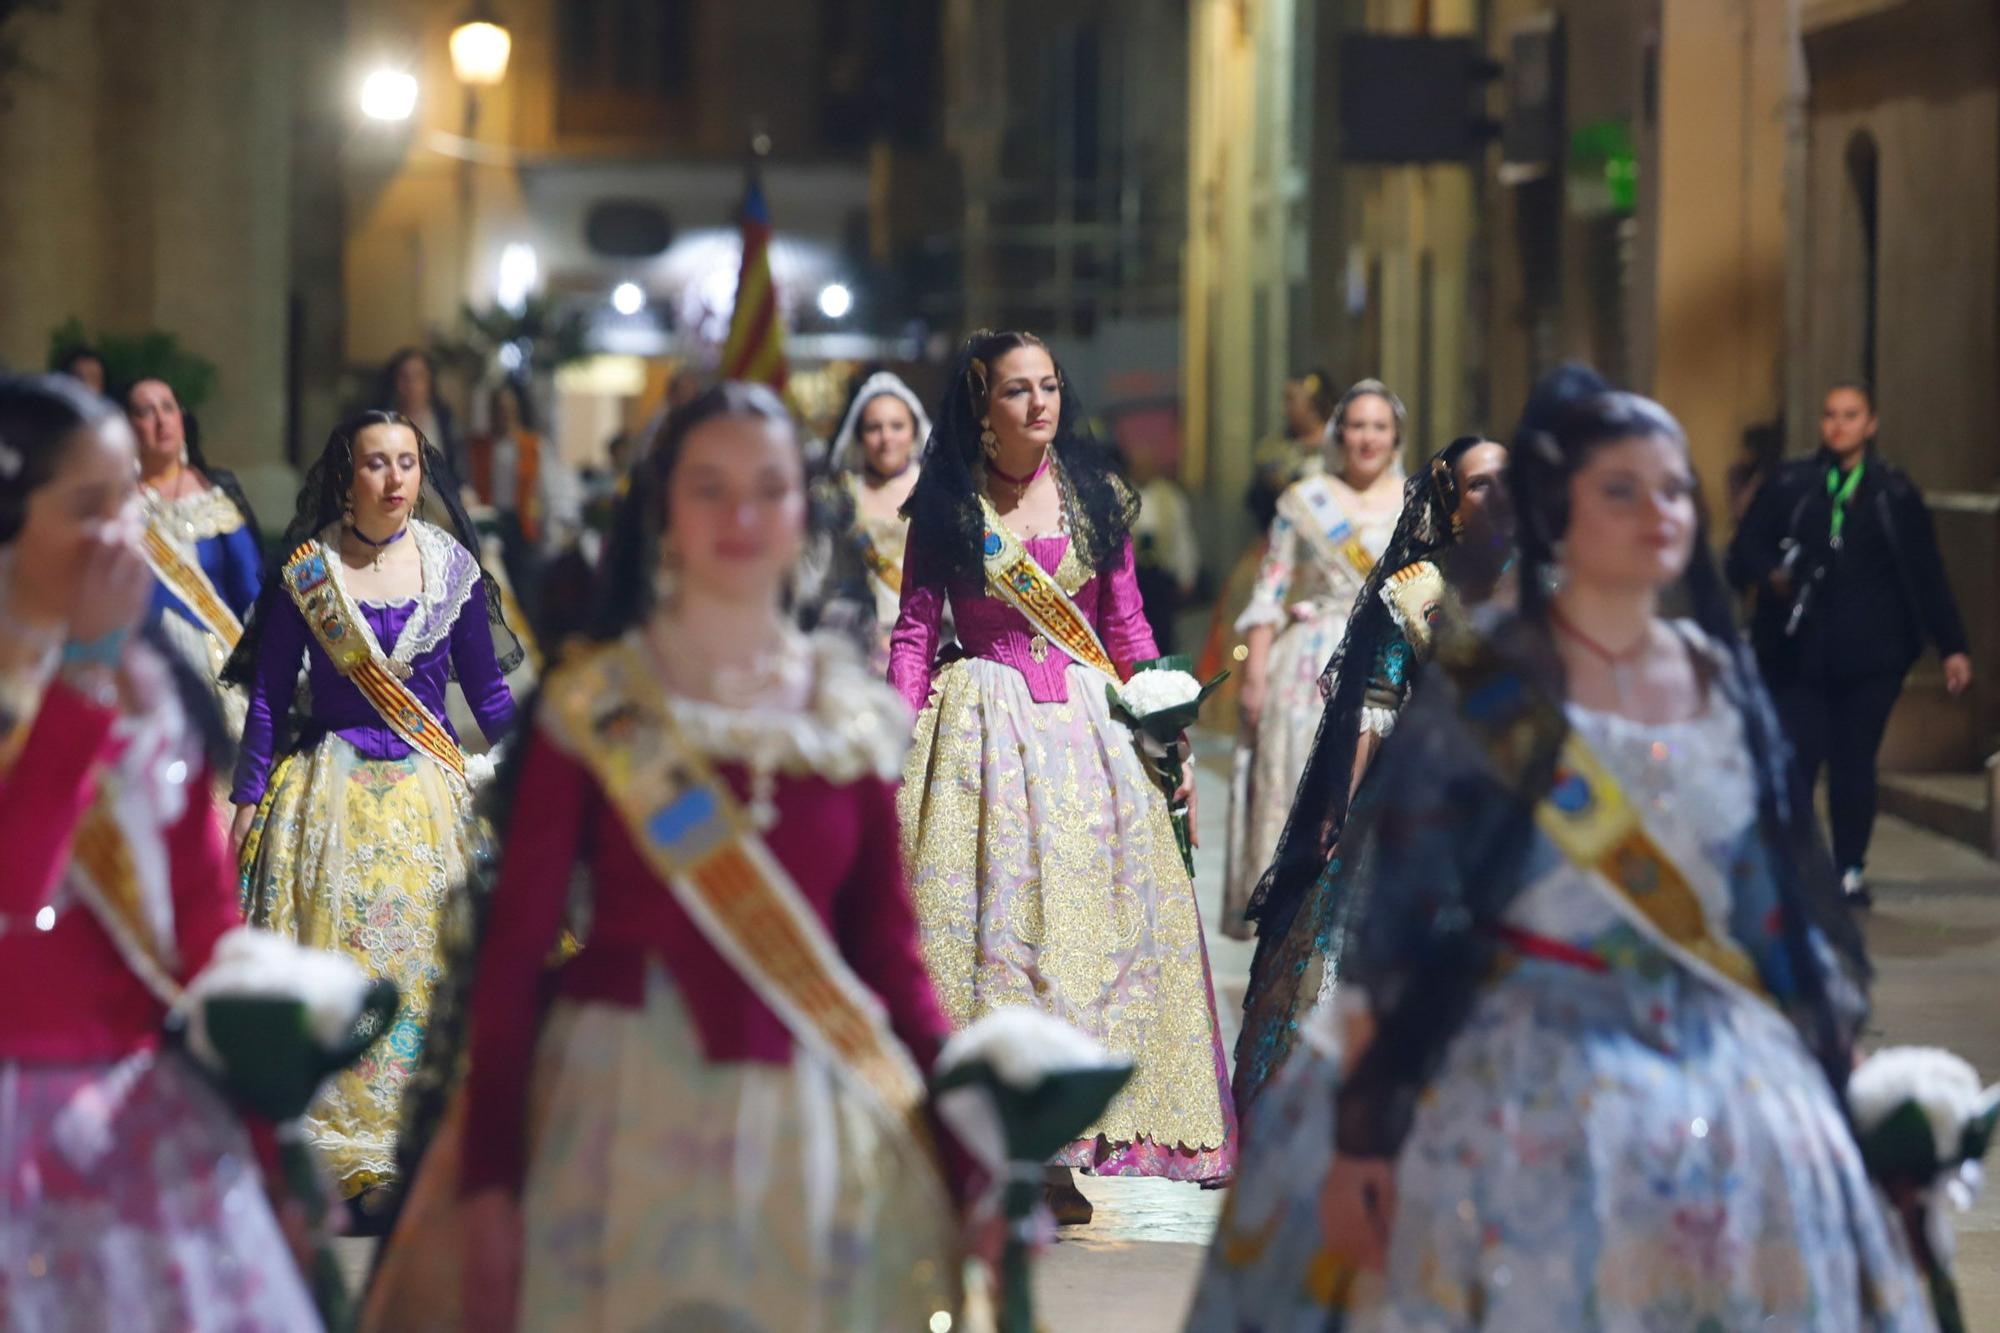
(1586, 814)
(187, 580)
(105, 876)
(338, 628)
(606, 707)
(1015, 578)
(1311, 508)
(881, 566)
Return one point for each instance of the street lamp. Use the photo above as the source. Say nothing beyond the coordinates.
(388, 95)
(480, 45)
(479, 49)
(835, 300)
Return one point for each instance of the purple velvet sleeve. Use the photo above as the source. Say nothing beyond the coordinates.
(486, 691)
(271, 690)
(1121, 615)
(913, 644)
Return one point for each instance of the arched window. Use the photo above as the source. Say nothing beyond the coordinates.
(1864, 185)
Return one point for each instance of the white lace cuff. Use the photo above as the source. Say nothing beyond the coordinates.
(1378, 721)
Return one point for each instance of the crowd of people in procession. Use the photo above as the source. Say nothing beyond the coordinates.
(1555, 990)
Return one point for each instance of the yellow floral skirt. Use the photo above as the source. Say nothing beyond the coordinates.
(358, 855)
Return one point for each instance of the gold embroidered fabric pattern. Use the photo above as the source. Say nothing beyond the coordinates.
(359, 855)
(194, 518)
(1044, 872)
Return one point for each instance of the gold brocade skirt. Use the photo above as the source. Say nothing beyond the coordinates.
(358, 855)
(1045, 872)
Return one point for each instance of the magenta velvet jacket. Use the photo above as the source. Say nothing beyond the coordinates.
(988, 628)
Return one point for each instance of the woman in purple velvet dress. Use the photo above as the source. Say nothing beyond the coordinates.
(1042, 859)
(352, 839)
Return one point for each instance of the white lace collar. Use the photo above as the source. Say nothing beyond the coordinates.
(449, 576)
(195, 517)
(856, 727)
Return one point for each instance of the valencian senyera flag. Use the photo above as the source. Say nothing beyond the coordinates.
(756, 347)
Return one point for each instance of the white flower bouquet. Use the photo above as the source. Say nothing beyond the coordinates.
(1160, 702)
(1924, 1123)
(269, 1021)
(1015, 1087)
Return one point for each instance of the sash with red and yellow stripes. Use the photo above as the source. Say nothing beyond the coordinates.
(1311, 508)
(605, 705)
(1016, 579)
(104, 876)
(1595, 826)
(337, 627)
(188, 581)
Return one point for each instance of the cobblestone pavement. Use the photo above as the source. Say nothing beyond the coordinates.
(1935, 937)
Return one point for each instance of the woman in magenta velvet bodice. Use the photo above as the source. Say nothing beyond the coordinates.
(988, 628)
(1041, 854)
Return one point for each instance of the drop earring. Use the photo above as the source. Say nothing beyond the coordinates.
(1555, 573)
(987, 439)
(667, 578)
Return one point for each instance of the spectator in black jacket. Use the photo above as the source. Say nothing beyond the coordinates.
(1843, 559)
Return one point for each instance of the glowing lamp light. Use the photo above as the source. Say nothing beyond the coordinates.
(627, 299)
(519, 271)
(479, 51)
(835, 300)
(388, 95)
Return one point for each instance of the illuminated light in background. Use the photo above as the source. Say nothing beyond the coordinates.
(510, 356)
(388, 94)
(479, 52)
(45, 919)
(519, 271)
(941, 1322)
(627, 299)
(835, 300)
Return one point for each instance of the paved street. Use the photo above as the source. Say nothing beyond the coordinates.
(1936, 939)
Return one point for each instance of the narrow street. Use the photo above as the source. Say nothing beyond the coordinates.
(1935, 935)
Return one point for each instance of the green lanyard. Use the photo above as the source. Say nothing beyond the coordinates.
(1842, 490)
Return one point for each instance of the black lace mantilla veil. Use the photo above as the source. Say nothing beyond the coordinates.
(1446, 842)
(945, 518)
(1319, 806)
(320, 504)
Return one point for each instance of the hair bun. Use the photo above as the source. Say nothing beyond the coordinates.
(1553, 396)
